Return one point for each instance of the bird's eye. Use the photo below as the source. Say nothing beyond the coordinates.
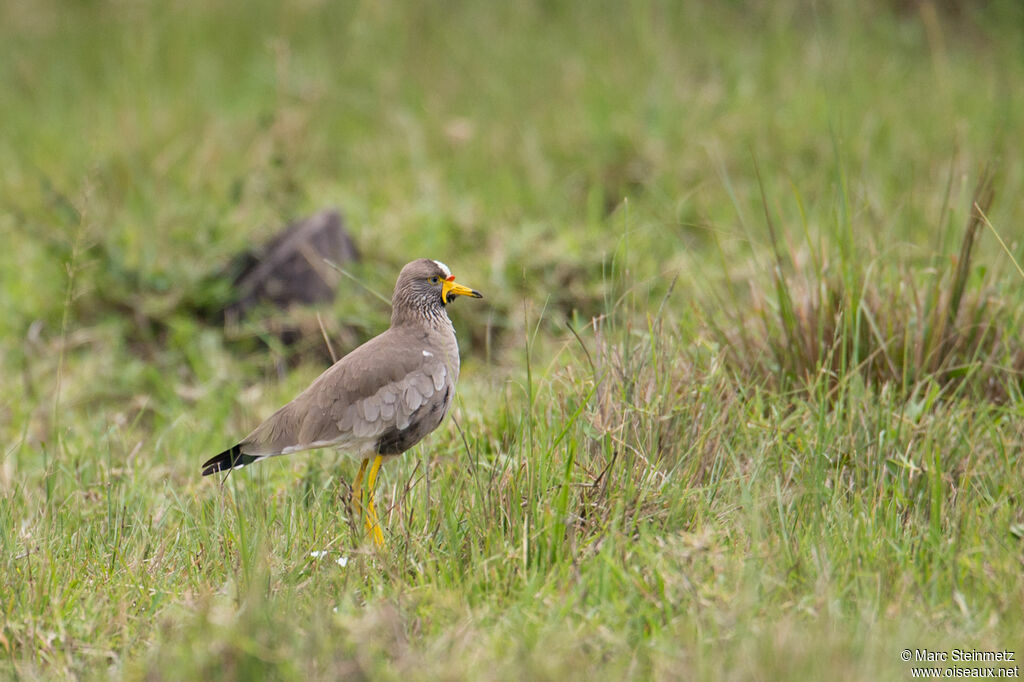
(434, 279)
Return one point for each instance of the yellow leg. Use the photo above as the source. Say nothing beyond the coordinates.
(371, 520)
(357, 488)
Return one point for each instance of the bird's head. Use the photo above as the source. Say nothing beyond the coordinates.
(427, 285)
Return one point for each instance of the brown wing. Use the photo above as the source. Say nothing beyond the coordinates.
(375, 389)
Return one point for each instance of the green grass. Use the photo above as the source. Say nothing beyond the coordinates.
(742, 400)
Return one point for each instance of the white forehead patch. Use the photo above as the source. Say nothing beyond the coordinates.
(444, 268)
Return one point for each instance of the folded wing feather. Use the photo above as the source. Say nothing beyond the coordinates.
(346, 407)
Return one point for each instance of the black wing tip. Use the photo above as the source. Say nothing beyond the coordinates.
(210, 470)
(231, 458)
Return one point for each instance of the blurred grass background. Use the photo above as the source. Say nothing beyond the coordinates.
(750, 463)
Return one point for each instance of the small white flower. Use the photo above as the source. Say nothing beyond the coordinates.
(321, 553)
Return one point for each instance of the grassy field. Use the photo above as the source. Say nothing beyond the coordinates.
(743, 400)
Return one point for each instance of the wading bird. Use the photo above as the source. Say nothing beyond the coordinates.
(380, 399)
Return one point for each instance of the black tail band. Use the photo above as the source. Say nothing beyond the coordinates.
(231, 458)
